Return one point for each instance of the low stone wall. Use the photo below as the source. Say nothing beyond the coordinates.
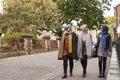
(38, 46)
(53, 44)
(18, 45)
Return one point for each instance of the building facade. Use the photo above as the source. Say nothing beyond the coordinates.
(117, 17)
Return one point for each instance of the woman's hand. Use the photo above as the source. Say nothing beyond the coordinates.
(94, 49)
(110, 54)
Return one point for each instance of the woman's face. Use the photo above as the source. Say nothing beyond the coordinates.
(85, 29)
(101, 28)
(104, 28)
(69, 29)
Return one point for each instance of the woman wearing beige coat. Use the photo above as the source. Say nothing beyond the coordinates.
(68, 50)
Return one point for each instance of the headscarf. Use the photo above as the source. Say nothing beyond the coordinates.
(104, 35)
(83, 26)
(67, 26)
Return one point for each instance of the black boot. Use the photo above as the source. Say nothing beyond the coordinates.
(65, 76)
(100, 67)
(100, 75)
(103, 75)
(104, 67)
(84, 74)
(71, 74)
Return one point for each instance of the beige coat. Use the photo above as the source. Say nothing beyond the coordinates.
(74, 47)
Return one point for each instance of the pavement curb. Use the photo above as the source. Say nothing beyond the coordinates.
(114, 71)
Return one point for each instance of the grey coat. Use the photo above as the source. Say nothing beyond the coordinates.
(88, 45)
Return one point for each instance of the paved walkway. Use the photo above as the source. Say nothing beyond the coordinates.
(43, 66)
(92, 71)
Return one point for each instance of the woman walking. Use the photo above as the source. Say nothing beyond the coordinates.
(103, 47)
(68, 50)
(84, 47)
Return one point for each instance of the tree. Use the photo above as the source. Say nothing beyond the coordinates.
(16, 19)
(90, 11)
(30, 15)
(110, 20)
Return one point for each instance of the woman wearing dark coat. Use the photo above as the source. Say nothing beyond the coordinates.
(103, 47)
(68, 50)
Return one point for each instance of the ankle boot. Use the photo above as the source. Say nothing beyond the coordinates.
(65, 76)
(103, 75)
(100, 75)
(71, 74)
(84, 74)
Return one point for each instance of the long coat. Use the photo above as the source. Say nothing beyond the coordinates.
(88, 45)
(74, 47)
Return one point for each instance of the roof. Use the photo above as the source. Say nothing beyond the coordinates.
(117, 5)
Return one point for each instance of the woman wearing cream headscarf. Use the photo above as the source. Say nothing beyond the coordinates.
(84, 49)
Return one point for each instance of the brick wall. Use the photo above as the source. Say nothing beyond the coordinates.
(117, 13)
(53, 44)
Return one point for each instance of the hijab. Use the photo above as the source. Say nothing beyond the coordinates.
(104, 35)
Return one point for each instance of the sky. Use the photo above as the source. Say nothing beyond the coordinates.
(106, 13)
(111, 12)
(0, 6)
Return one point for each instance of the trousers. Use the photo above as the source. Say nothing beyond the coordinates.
(84, 63)
(102, 64)
(65, 64)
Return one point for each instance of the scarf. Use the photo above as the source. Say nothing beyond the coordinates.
(103, 39)
(88, 45)
(104, 36)
(60, 50)
(70, 44)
